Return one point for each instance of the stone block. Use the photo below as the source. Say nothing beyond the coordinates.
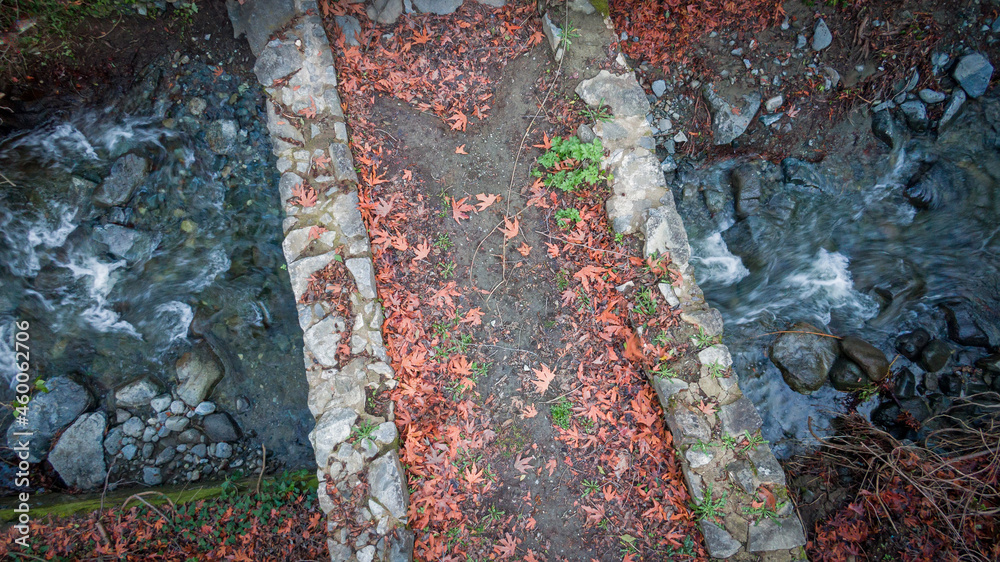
(776, 534)
(739, 417)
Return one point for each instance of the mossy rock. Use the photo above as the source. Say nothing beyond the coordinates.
(601, 6)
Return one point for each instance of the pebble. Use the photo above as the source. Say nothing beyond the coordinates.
(197, 106)
(147, 450)
(128, 452)
(664, 124)
(200, 450)
(931, 96)
(204, 408)
(822, 38)
(772, 104)
(176, 423)
(738, 52)
(177, 407)
(680, 137)
(165, 456)
(223, 450)
(122, 416)
(148, 433)
(133, 427)
(151, 476)
(800, 42)
(659, 88)
(160, 403)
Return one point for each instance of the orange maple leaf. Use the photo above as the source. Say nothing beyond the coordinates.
(485, 200)
(545, 377)
(305, 195)
(421, 250)
(529, 411)
(510, 229)
(315, 232)
(460, 209)
(551, 466)
(524, 249)
(474, 317)
(461, 150)
(553, 250)
(507, 547)
(460, 121)
(522, 464)
(422, 37)
(473, 476)
(309, 112)
(546, 142)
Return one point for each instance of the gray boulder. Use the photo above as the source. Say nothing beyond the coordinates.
(872, 361)
(221, 136)
(912, 343)
(385, 11)
(729, 121)
(199, 370)
(78, 456)
(49, 413)
(127, 173)
(137, 393)
(935, 356)
(973, 73)
(952, 108)
(440, 7)
(804, 359)
(915, 113)
(259, 20)
(746, 190)
(822, 38)
(133, 245)
(968, 326)
(847, 376)
(621, 92)
(221, 427)
(351, 29)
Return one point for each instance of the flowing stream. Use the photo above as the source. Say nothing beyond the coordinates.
(860, 245)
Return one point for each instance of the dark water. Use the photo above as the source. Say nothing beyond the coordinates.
(863, 244)
(205, 259)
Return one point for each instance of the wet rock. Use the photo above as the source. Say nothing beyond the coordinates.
(151, 476)
(49, 413)
(822, 38)
(935, 356)
(199, 370)
(133, 427)
(916, 407)
(718, 541)
(388, 11)
(973, 73)
(78, 456)
(847, 376)
(800, 172)
(197, 106)
(160, 403)
(990, 363)
(906, 384)
(176, 423)
(952, 108)
(950, 385)
(440, 7)
(940, 185)
(749, 239)
(221, 136)
(915, 113)
(776, 534)
(127, 173)
(868, 357)
(259, 20)
(965, 325)
(885, 129)
(137, 393)
(804, 359)
(932, 96)
(746, 190)
(729, 121)
(132, 245)
(621, 92)
(351, 29)
(910, 344)
(886, 415)
(221, 427)
(740, 417)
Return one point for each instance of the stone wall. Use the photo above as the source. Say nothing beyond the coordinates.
(362, 485)
(714, 427)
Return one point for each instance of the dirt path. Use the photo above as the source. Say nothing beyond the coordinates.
(526, 434)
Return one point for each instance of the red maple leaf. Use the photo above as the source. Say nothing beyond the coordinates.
(545, 377)
(460, 209)
(304, 195)
(460, 120)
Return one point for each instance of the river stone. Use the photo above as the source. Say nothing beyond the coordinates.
(199, 370)
(221, 427)
(151, 476)
(439, 7)
(48, 413)
(915, 113)
(113, 441)
(132, 245)
(129, 451)
(221, 136)
(223, 450)
(868, 357)
(973, 73)
(990, 363)
(332, 429)
(965, 326)
(718, 541)
(952, 108)
(847, 376)
(910, 344)
(165, 456)
(621, 92)
(728, 121)
(385, 476)
(176, 423)
(160, 403)
(351, 29)
(138, 393)
(78, 456)
(885, 129)
(127, 173)
(665, 234)
(204, 408)
(740, 417)
(746, 190)
(931, 96)
(133, 427)
(804, 359)
(935, 356)
(386, 11)
(659, 88)
(769, 535)
(772, 104)
(259, 20)
(822, 38)
(177, 407)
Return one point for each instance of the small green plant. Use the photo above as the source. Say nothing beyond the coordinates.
(868, 392)
(446, 269)
(562, 411)
(736, 443)
(716, 370)
(708, 508)
(619, 237)
(598, 114)
(703, 340)
(591, 487)
(562, 279)
(567, 218)
(701, 446)
(493, 513)
(443, 241)
(661, 370)
(578, 164)
(761, 513)
(645, 302)
(363, 431)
